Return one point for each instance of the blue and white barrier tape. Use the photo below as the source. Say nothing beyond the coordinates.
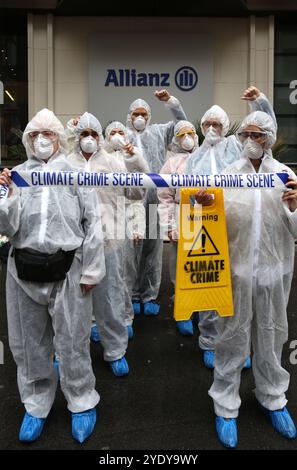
(3, 192)
(26, 179)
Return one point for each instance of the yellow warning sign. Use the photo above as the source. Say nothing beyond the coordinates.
(203, 278)
(203, 244)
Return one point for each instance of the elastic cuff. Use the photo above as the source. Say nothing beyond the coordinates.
(110, 358)
(224, 413)
(85, 402)
(91, 280)
(131, 159)
(37, 413)
(271, 403)
(172, 102)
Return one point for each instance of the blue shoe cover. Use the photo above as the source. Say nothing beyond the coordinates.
(130, 331)
(209, 359)
(248, 363)
(136, 307)
(227, 431)
(120, 367)
(83, 424)
(185, 327)
(283, 423)
(95, 337)
(31, 428)
(151, 308)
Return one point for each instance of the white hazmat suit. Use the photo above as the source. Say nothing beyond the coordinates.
(109, 295)
(44, 318)
(212, 157)
(152, 142)
(135, 220)
(261, 231)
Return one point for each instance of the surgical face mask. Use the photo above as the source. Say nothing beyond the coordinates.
(187, 143)
(43, 147)
(139, 123)
(117, 141)
(211, 136)
(252, 149)
(89, 144)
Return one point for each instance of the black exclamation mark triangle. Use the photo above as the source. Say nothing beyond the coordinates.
(204, 236)
(203, 239)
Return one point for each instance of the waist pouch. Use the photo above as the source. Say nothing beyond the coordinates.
(34, 266)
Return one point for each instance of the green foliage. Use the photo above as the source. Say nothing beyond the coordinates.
(17, 132)
(279, 148)
(17, 152)
(233, 128)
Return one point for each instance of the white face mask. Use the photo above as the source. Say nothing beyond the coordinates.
(187, 143)
(89, 144)
(212, 137)
(139, 123)
(252, 149)
(43, 147)
(117, 141)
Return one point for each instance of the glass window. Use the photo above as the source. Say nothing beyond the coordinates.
(285, 67)
(14, 76)
(285, 72)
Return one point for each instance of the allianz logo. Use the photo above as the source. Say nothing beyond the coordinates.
(185, 78)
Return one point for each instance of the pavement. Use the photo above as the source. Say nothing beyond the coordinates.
(162, 405)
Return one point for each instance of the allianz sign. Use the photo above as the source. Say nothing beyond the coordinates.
(186, 78)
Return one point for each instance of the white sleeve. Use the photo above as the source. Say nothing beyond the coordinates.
(10, 210)
(136, 162)
(137, 220)
(262, 103)
(292, 220)
(93, 269)
(176, 109)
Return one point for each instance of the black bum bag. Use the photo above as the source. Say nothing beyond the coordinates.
(34, 266)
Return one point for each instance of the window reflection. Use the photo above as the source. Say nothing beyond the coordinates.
(14, 76)
(285, 71)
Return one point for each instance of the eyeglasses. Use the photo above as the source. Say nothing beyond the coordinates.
(48, 134)
(87, 133)
(181, 134)
(252, 135)
(215, 125)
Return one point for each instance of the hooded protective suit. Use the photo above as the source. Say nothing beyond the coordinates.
(109, 295)
(261, 231)
(135, 219)
(44, 318)
(169, 209)
(211, 158)
(152, 142)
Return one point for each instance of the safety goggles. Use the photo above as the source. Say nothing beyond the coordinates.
(215, 125)
(86, 133)
(49, 134)
(182, 134)
(253, 135)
